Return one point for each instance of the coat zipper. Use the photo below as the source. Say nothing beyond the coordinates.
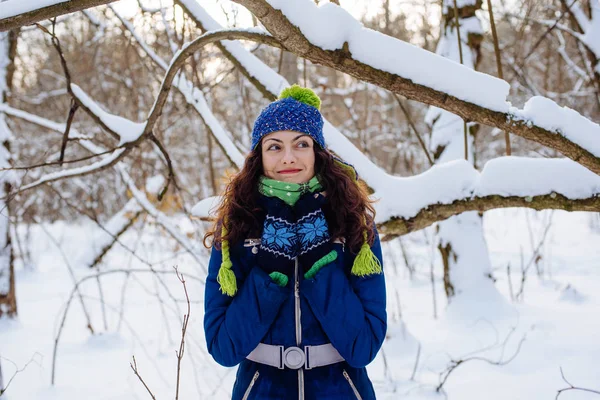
(249, 389)
(298, 327)
(352, 385)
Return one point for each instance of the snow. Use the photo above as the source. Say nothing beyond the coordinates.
(562, 120)
(127, 130)
(390, 54)
(206, 208)
(144, 321)
(592, 31)
(470, 25)
(11, 8)
(506, 176)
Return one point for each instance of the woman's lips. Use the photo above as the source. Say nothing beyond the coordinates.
(289, 171)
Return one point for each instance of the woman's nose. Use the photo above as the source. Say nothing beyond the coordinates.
(288, 157)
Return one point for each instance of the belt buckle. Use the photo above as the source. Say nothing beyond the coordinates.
(294, 357)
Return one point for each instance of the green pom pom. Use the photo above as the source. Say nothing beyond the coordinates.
(302, 94)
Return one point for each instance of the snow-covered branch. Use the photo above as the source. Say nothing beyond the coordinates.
(428, 78)
(409, 204)
(438, 212)
(104, 163)
(14, 14)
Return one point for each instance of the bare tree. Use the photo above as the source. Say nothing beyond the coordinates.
(8, 301)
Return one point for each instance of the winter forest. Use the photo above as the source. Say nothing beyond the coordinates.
(474, 123)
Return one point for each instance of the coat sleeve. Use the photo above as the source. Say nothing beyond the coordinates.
(351, 310)
(233, 326)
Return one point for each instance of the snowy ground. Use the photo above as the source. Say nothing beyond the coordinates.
(558, 316)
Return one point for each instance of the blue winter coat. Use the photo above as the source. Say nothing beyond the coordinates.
(336, 307)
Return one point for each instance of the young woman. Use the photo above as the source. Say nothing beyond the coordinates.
(295, 292)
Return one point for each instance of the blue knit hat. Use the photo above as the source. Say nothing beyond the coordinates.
(297, 109)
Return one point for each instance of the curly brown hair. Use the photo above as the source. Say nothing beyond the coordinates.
(348, 211)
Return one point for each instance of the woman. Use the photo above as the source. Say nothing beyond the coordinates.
(295, 292)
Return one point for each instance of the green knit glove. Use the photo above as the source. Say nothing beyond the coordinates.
(328, 258)
(279, 278)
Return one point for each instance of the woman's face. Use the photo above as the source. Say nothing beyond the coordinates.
(288, 156)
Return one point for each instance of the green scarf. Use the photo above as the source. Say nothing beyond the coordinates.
(287, 191)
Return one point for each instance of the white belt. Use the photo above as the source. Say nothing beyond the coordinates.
(294, 357)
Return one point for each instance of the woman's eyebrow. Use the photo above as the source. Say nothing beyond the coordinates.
(280, 141)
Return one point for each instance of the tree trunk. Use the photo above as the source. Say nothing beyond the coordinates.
(8, 300)
(464, 252)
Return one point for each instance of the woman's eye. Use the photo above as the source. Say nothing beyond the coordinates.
(303, 144)
(273, 147)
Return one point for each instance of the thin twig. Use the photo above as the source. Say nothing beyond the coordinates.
(51, 163)
(456, 363)
(186, 319)
(18, 370)
(414, 129)
(65, 139)
(171, 176)
(534, 258)
(136, 372)
(414, 371)
(571, 387)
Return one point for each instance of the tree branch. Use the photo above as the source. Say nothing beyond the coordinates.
(438, 212)
(15, 15)
(571, 387)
